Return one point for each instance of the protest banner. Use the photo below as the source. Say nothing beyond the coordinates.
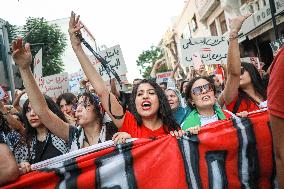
(114, 59)
(38, 68)
(163, 77)
(213, 50)
(55, 85)
(234, 153)
(74, 81)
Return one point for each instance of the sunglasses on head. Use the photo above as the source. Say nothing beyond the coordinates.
(242, 70)
(198, 90)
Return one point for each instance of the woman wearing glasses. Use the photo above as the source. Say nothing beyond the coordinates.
(200, 96)
(244, 90)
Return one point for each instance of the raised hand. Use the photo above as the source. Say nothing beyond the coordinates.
(236, 23)
(74, 27)
(21, 54)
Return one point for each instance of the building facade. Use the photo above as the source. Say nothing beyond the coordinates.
(203, 18)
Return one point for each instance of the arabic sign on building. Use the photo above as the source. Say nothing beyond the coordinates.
(261, 16)
(213, 50)
(74, 81)
(163, 77)
(55, 85)
(115, 61)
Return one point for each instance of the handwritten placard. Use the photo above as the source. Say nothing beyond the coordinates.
(212, 50)
(74, 81)
(55, 85)
(114, 59)
(38, 68)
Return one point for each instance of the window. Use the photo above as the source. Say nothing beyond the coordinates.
(213, 29)
(223, 24)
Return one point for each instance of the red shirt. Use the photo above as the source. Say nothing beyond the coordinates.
(131, 127)
(275, 92)
(245, 105)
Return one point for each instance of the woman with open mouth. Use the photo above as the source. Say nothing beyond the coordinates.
(151, 114)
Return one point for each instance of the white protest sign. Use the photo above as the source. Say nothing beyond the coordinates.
(38, 68)
(163, 77)
(115, 61)
(55, 85)
(252, 60)
(213, 50)
(74, 81)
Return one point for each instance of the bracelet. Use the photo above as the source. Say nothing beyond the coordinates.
(233, 35)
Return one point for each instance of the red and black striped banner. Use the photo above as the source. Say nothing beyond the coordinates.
(226, 154)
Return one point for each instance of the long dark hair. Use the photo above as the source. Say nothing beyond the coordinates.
(30, 131)
(4, 126)
(188, 96)
(94, 100)
(184, 82)
(255, 79)
(164, 111)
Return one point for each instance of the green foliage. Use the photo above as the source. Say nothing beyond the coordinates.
(40, 34)
(12, 31)
(147, 59)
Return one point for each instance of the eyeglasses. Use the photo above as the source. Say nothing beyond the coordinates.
(242, 70)
(198, 90)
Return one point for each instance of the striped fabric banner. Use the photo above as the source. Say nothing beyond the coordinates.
(226, 154)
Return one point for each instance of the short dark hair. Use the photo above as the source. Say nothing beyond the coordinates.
(68, 97)
(188, 96)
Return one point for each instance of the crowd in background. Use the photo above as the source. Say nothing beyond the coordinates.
(43, 128)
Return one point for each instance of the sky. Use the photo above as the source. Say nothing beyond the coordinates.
(133, 24)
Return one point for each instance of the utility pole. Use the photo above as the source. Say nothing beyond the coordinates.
(273, 11)
(7, 61)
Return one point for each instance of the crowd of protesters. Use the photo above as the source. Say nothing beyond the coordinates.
(41, 128)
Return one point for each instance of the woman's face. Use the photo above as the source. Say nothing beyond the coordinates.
(202, 93)
(184, 87)
(146, 101)
(172, 99)
(33, 119)
(85, 111)
(245, 78)
(65, 108)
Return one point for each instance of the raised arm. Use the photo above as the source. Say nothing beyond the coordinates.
(23, 58)
(92, 74)
(157, 65)
(234, 62)
(17, 100)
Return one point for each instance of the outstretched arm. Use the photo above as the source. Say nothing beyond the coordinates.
(23, 58)
(234, 63)
(92, 74)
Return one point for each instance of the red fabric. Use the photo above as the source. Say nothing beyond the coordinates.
(275, 93)
(248, 106)
(162, 163)
(131, 127)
